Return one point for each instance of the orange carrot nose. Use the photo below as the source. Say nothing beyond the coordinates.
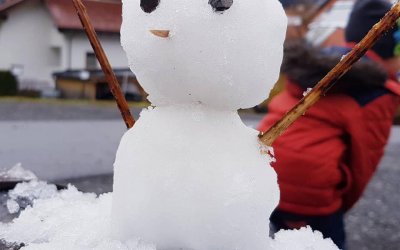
(160, 33)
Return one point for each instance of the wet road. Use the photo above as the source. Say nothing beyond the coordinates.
(64, 140)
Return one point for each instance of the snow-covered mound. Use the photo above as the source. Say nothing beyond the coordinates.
(67, 219)
(302, 239)
(17, 172)
(72, 220)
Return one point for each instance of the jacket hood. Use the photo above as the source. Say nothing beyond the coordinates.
(306, 66)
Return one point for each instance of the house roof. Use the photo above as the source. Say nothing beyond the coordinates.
(106, 16)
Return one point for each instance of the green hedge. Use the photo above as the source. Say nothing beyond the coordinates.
(8, 84)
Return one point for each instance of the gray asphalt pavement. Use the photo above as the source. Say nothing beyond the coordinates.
(69, 143)
(64, 140)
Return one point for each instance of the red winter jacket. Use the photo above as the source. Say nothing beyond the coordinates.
(327, 157)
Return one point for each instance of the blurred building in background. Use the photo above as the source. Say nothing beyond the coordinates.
(42, 42)
(320, 22)
(91, 84)
(41, 37)
(328, 28)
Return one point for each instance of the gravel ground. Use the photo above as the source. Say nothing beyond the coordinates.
(372, 225)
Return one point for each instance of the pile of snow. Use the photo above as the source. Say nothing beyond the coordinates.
(67, 219)
(17, 172)
(25, 193)
(70, 219)
(302, 239)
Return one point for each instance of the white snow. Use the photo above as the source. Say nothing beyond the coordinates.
(33, 190)
(302, 239)
(68, 220)
(199, 173)
(71, 220)
(307, 91)
(17, 172)
(26, 192)
(229, 60)
(12, 206)
(190, 164)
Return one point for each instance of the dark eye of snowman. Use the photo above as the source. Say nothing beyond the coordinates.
(149, 6)
(220, 5)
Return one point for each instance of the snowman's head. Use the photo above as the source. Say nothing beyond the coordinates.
(223, 53)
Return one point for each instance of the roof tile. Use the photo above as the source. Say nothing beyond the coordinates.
(105, 16)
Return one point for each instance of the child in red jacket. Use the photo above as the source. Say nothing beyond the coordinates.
(326, 159)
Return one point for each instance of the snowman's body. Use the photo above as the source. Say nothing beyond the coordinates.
(190, 174)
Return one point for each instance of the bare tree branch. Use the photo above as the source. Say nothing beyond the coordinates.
(387, 22)
(105, 64)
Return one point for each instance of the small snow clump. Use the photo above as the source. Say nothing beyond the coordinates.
(17, 172)
(303, 239)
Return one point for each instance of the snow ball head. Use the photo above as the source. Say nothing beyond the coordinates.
(222, 53)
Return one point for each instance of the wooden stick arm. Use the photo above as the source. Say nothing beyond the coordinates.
(377, 31)
(105, 64)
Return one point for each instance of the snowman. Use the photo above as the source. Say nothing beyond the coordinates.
(190, 174)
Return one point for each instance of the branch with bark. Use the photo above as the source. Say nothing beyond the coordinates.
(376, 32)
(105, 64)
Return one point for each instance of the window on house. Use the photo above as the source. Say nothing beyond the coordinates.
(91, 61)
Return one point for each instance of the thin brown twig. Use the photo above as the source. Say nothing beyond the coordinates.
(105, 64)
(330, 79)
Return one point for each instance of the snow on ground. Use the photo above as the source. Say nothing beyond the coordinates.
(70, 219)
(18, 173)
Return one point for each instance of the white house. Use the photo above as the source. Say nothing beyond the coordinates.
(40, 37)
